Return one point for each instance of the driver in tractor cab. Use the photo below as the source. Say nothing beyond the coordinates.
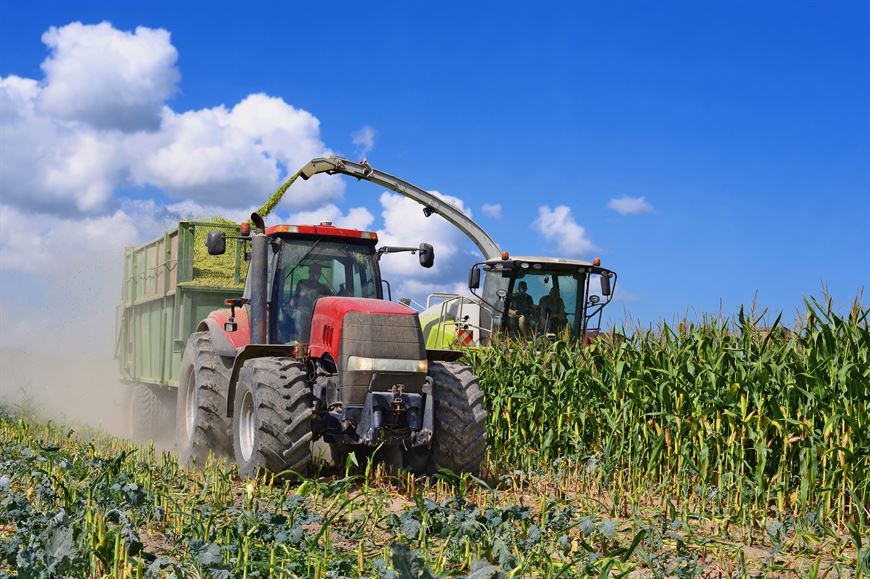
(521, 307)
(552, 312)
(308, 291)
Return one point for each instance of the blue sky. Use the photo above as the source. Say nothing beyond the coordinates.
(745, 127)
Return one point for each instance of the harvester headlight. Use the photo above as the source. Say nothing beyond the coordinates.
(363, 364)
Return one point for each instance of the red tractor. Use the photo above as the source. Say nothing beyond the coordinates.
(312, 362)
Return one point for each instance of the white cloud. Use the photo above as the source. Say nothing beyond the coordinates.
(420, 290)
(152, 218)
(67, 147)
(53, 165)
(16, 98)
(364, 139)
(106, 77)
(67, 274)
(355, 218)
(492, 210)
(54, 247)
(559, 227)
(627, 205)
(405, 225)
(234, 157)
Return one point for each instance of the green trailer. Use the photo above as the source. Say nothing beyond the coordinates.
(169, 285)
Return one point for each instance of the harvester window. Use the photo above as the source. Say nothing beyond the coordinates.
(542, 302)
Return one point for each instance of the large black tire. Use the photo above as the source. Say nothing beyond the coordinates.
(201, 424)
(150, 414)
(460, 419)
(273, 416)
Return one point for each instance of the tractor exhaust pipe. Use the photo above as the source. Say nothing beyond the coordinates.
(258, 273)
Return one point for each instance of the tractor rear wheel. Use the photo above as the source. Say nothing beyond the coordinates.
(150, 415)
(273, 415)
(201, 423)
(460, 419)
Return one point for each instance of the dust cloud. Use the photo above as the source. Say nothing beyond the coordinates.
(73, 390)
(57, 335)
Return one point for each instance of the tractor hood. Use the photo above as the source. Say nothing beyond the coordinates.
(329, 313)
(375, 345)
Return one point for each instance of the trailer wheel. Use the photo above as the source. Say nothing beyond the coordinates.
(201, 424)
(273, 417)
(150, 415)
(460, 419)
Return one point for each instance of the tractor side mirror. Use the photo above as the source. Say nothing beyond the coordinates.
(474, 278)
(216, 242)
(426, 254)
(605, 284)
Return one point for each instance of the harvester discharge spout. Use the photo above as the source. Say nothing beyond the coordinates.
(431, 203)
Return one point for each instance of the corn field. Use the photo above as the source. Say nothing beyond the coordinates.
(718, 448)
(721, 413)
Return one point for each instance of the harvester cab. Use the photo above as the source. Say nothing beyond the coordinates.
(527, 296)
(311, 362)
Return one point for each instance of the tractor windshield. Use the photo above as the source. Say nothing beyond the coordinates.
(310, 269)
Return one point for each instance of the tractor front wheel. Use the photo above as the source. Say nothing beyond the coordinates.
(273, 414)
(460, 419)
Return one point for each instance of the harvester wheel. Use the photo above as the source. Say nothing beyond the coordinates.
(272, 417)
(150, 415)
(201, 423)
(460, 419)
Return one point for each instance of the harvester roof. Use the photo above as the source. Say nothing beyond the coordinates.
(548, 260)
(539, 262)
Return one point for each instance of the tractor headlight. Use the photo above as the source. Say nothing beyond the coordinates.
(360, 363)
(363, 364)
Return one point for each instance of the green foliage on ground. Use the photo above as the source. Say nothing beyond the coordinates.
(712, 449)
(92, 506)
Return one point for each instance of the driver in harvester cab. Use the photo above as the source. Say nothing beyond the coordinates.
(308, 291)
(521, 307)
(551, 310)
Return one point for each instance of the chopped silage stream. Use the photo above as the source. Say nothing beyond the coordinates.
(219, 270)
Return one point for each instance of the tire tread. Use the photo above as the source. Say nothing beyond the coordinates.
(460, 418)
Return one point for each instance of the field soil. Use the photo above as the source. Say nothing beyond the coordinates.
(83, 503)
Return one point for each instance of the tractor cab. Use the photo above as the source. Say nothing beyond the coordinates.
(304, 263)
(312, 262)
(542, 296)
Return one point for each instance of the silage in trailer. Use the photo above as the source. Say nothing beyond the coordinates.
(227, 270)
